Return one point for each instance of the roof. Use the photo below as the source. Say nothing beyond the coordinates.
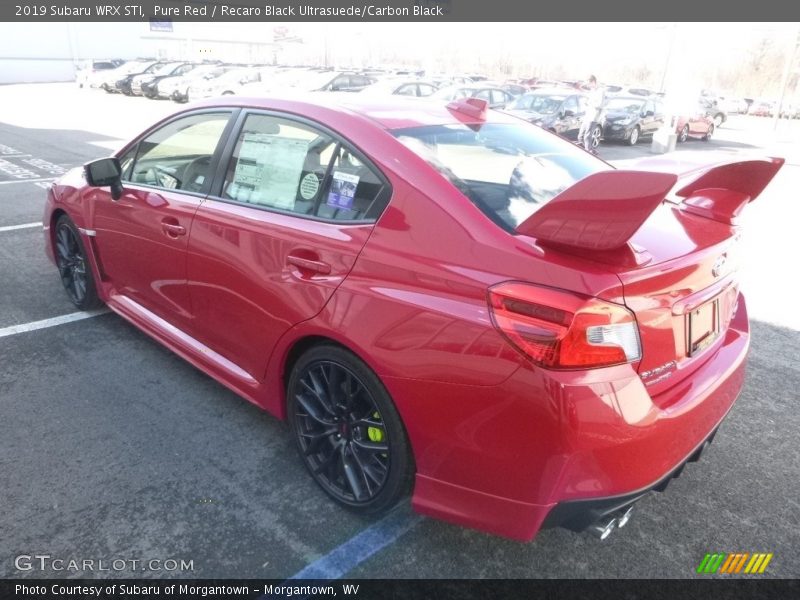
(391, 112)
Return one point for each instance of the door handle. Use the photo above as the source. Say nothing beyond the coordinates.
(172, 228)
(309, 265)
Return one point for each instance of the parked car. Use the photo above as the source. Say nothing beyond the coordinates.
(495, 96)
(90, 74)
(762, 108)
(401, 87)
(557, 110)
(393, 284)
(226, 84)
(309, 80)
(123, 85)
(631, 118)
(147, 85)
(696, 124)
(176, 87)
(714, 111)
(107, 80)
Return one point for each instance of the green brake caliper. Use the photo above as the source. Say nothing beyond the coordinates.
(375, 434)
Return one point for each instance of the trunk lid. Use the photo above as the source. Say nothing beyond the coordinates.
(672, 240)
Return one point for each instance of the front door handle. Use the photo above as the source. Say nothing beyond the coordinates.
(308, 265)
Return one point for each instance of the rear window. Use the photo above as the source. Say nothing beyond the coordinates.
(508, 171)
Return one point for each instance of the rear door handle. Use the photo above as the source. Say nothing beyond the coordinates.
(309, 265)
(172, 228)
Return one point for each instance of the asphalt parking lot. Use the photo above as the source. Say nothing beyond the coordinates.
(113, 448)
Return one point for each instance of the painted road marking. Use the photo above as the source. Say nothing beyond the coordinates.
(27, 180)
(15, 227)
(346, 557)
(45, 323)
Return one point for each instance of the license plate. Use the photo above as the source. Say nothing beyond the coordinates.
(703, 326)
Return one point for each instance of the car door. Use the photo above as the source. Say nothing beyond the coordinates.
(570, 122)
(293, 206)
(142, 237)
(649, 124)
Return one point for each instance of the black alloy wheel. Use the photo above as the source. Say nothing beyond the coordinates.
(73, 267)
(348, 431)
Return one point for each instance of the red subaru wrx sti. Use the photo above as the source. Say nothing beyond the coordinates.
(441, 299)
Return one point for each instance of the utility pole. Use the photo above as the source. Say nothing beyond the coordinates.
(788, 67)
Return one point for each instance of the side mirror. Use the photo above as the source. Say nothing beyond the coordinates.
(105, 172)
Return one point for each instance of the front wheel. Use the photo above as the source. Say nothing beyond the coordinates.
(594, 136)
(348, 431)
(684, 134)
(709, 133)
(634, 137)
(73, 266)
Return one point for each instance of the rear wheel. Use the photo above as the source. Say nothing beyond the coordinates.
(634, 137)
(719, 119)
(348, 431)
(73, 266)
(709, 133)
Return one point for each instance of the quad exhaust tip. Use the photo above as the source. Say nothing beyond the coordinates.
(607, 525)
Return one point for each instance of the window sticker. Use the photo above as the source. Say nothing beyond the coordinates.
(268, 170)
(343, 190)
(309, 186)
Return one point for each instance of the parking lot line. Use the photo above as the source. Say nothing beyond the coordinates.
(52, 322)
(27, 180)
(347, 556)
(23, 226)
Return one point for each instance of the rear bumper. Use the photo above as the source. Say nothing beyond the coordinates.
(546, 448)
(578, 515)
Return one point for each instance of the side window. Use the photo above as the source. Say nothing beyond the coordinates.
(289, 166)
(425, 89)
(410, 89)
(178, 156)
(571, 104)
(582, 102)
(485, 95)
(342, 82)
(649, 107)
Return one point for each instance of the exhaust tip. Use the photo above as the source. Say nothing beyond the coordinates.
(624, 516)
(603, 529)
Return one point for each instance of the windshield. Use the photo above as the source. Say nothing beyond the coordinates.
(539, 103)
(624, 104)
(508, 170)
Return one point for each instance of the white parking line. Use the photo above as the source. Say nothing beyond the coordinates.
(45, 323)
(24, 226)
(27, 180)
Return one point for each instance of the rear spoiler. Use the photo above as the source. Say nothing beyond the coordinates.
(603, 211)
(722, 191)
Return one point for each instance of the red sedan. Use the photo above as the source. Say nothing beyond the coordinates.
(697, 125)
(441, 300)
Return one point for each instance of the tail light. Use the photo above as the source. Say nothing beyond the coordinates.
(560, 330)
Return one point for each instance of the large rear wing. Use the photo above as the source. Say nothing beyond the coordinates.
(603, 211)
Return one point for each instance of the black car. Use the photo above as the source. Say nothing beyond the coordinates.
(556, 110)
(124, 85)
(631, 118)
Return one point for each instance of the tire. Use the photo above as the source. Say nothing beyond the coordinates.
(634, 137)
(347, 430)
(227, 93)
(73, 266)
(719, 119)
(709, 133)
(684, 134)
